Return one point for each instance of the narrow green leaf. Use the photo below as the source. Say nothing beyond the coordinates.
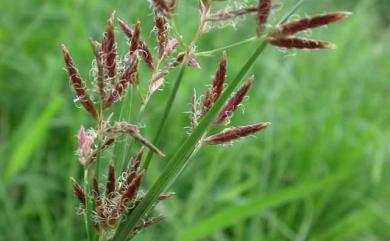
(256, 206)
(31, 140)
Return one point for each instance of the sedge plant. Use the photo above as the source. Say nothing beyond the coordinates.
(115, 208)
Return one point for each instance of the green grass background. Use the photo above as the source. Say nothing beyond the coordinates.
(320, 172)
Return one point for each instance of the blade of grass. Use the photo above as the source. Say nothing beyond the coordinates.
(257, 206)
(31, 140)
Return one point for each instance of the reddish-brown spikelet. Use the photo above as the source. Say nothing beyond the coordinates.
(103, 49)
(179, 59)
(138, 160)
(100, 68)
(233, 103)
(165, 195)
(110, 186)
(78, 191)
(78, 85)
(111, 49)
(129, 76)
(235, 133)
(215, 91)
(129, 178)
(263, 12)
(162, 33)
(145, 51)
(225, 15)
(131, 191)
(160, 6)
(136, 38)
(300, 43)
(147, 223)
(308, 23)
(98, 200)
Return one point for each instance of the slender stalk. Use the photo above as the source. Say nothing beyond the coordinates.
(88, 207)
(211, 52)
(167, 110)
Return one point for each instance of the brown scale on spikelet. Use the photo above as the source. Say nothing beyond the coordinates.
(161, 26)
(146, 224)
(283, 35)
(110, 50)
(215, 91)
(129, 76)
(302, 24)
(224, 15)
(263, 12)
(111, 180)
(78, 191)
(234, 134)
(233, 103)
(98, 200)
(165, 7)
(78, 84)
(300, 43)
(143, 48)
(100, 70)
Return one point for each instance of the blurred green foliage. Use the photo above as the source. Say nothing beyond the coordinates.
(329, 111)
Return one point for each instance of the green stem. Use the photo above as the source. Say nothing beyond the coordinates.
(88, 208)
(167, 110)
(210, 52)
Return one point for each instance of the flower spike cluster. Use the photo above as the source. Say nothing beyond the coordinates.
(211, 96)
(121, 196)
(106, 203)
(284, 35)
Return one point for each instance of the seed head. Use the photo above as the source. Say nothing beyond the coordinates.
(294, 27)
(161, 26)
(224, 15)
(300, 43)
(235, 133)
(147, 223)
(78, 191)
(110, 51)
(233, 103)
(215, 91)
(110, 186)
(78, 84)
(263, 12)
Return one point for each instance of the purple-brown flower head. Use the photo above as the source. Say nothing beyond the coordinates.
(301, 43)
(283, 35)
(78, 84)
(302, 24)
(144, 49)
(161, 26)
(215, 91)
(263, 12)
(78, 191)
(235, 133)
(111, 49)
(233, 103)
